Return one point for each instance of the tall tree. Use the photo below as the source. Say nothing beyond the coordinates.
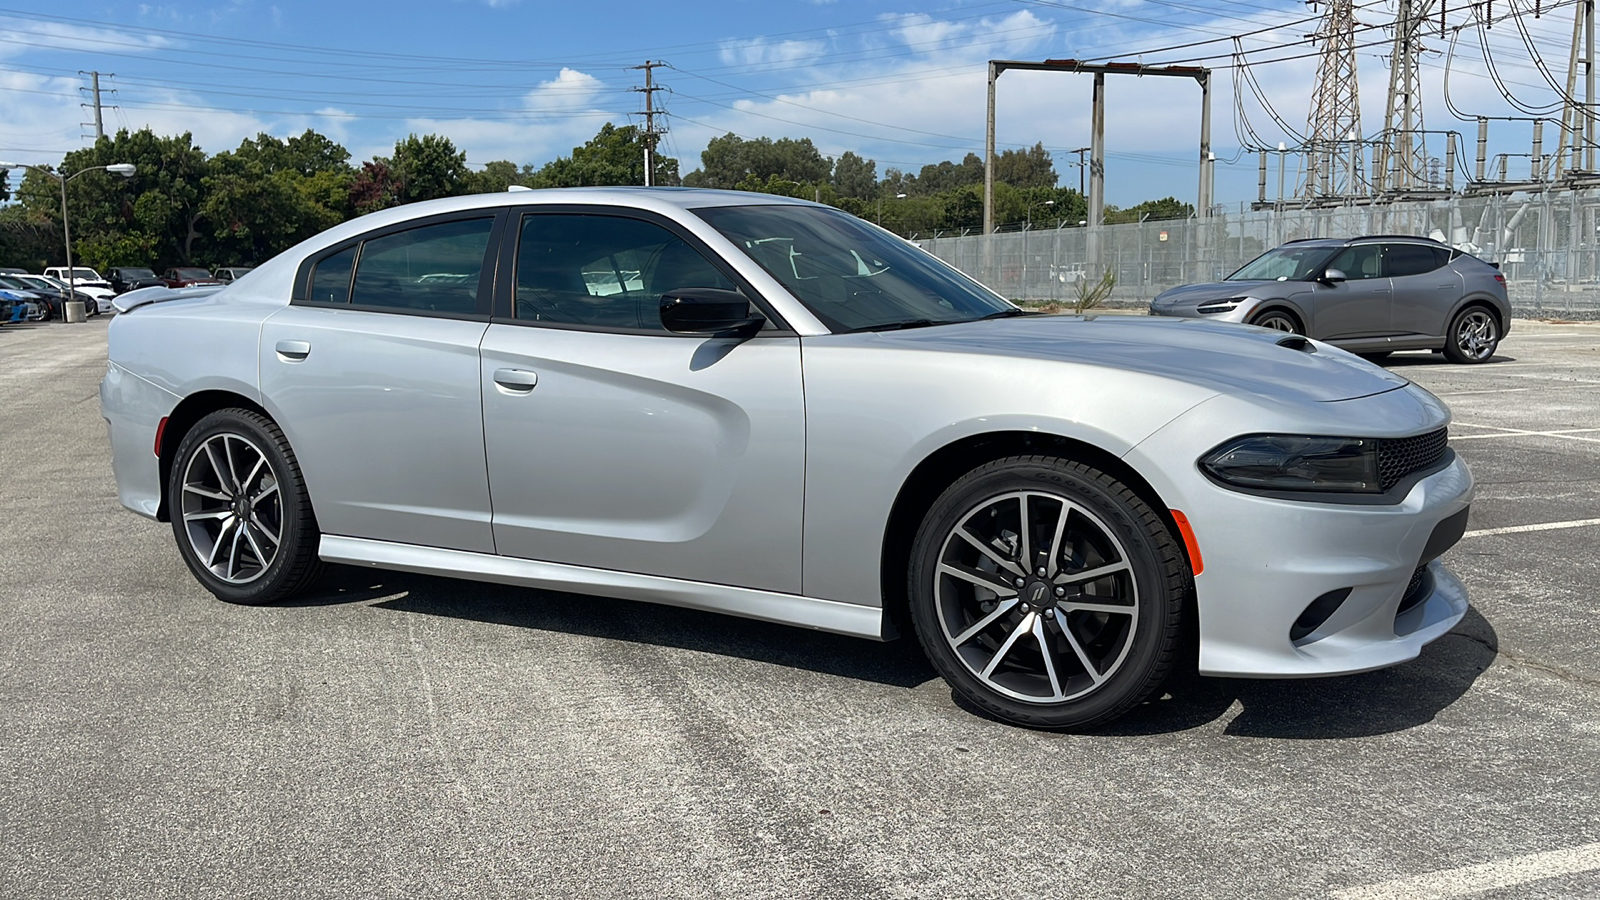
(427, 168)
(854, 176)
(613, 156)
(1028, 168)
(730, 159)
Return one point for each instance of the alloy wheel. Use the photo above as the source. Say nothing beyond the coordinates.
(1476, 335)
(1036, 597)
(232, 509)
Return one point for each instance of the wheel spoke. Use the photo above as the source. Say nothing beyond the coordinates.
(233, 553)
(1091, 574)
(217, 469)
(978, 626)
(1114, 609)
(1025, 554)
(988, 551)
(1022, 628)
(1053, 564)
(266, 492)
(265, 531)
(209, 494)
(249, 534)
(994, 582)
(216, 548)
(1042, 637)
(217, 514)
(254, 470)
(1083, 657)
(227, 455)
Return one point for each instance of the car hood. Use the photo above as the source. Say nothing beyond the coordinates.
(1189, 295)
(1224, 357)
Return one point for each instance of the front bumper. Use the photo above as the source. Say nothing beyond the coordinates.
(1267, 560)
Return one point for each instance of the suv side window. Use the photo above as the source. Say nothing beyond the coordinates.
(601, 271)
(1359, 262)
(1400, 260)
(433, 268)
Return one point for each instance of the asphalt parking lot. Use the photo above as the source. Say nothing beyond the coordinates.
(398, 735)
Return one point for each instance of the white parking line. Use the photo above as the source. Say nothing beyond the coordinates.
(1476, 879)
(1543, 526)
(1469, 393)
(1568, 433)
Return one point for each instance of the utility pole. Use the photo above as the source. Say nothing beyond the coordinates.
(651, 134)
(1080, 164)
(1335, 106)
(99, 116)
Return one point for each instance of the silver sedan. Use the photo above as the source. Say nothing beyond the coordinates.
(769, 408)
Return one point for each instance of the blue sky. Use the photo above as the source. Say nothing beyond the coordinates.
(901, 83)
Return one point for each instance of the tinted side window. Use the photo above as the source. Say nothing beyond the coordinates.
(603, 271)
(330, 280)
(1400, 260)
(434, 268)
(1359, 262)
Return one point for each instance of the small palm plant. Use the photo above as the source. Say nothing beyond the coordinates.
(1091, 295)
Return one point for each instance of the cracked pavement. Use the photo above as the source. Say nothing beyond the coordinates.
(399, 735)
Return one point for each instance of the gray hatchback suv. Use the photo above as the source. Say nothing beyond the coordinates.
(1369, 295)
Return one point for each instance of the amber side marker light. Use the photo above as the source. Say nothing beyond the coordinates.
(1189, 543)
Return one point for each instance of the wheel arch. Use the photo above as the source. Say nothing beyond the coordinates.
(182, 419)
(1283, 306)
(936, 472)
(1488, 302)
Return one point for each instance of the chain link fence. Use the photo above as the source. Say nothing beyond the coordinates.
(1546, 244)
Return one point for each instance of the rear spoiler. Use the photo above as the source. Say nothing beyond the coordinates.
(134, 299)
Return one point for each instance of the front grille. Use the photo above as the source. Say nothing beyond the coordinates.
(1417, 590)
(1399, 457)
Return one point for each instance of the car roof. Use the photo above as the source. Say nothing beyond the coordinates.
(1345, 242)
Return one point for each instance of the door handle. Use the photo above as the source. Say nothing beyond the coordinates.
(293, 351)
(515, 381)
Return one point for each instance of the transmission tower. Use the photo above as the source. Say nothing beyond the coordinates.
(1402, 163)
(1333, 152)
(1577, 119)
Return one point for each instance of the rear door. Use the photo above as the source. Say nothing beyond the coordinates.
(1358, 306)
(372, 372)
(1425, 287)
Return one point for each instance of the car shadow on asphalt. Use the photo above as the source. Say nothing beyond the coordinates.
(1405, 360)
(1348, 706)
(895, 663)
(1367, 704)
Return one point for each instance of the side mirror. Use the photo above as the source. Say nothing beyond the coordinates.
(1333, 276)
(709, 312)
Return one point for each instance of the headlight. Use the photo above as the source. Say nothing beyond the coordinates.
(1211, 307)
(1292, 462)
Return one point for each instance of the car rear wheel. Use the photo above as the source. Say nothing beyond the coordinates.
(1473, 336)
(1047, 593)
(1277, 320)
(240, 511)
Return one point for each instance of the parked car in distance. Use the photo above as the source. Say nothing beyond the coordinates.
(12, 270)
(1370, 295)
(767, 407)
(230, 274)
(128, 278)
(49, 300)
(18, 306)
(84, 280)
(187, 276)
(58, 293)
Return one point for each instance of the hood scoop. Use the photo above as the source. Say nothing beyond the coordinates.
(1298, 342)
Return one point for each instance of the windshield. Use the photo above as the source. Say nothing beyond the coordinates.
(1286, 263)
(83, 274)
(138, 273)
(853, 277)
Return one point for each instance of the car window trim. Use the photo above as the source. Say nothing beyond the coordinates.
(486, 272)
(505, 285)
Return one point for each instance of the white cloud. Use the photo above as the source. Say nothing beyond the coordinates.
(39, 36)
(760, 51)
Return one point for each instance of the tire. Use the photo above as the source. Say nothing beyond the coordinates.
(233, 461)
(1278, 320)
(1473, 336)
(1011, 650)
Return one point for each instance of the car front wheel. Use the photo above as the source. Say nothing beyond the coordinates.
(1473, 337)
(1047, 593)
(1277, 321)
(240, 511)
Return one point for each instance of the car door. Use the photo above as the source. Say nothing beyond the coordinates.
(1426, 289)
(372, 371)
(1359, 305)
(615, 444)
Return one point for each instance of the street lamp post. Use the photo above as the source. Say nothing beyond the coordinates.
(126, 170)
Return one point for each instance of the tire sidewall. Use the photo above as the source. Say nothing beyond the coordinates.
(1159, 603)
(283, 571)
(1453, 351)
